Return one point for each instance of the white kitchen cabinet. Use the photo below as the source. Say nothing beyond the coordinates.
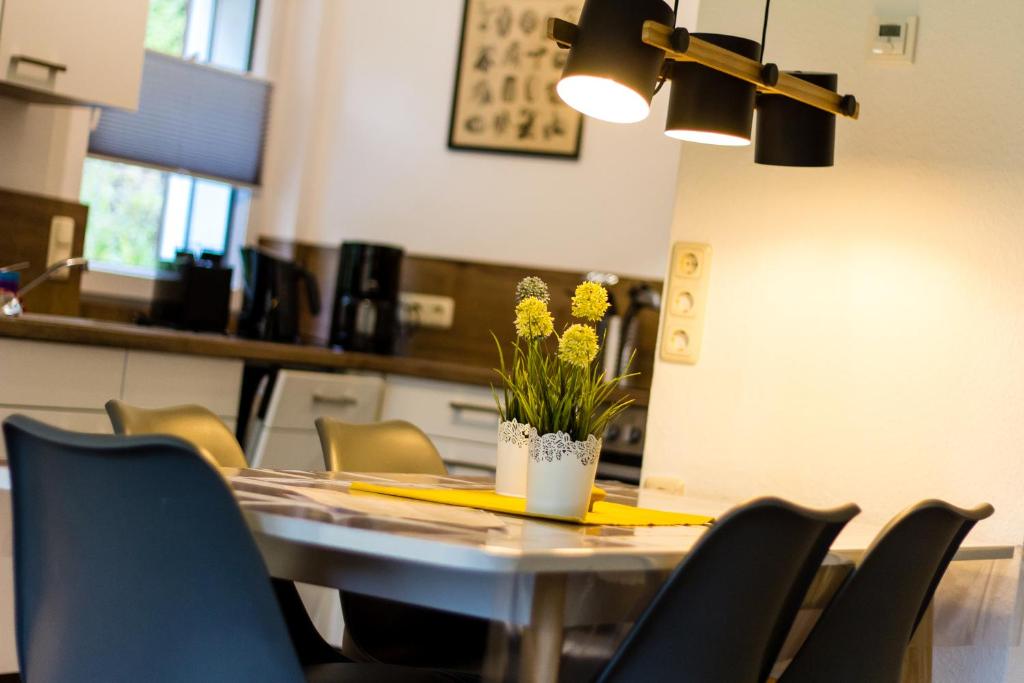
(287, 438)
(73, 52)
(68, 385)
(460, 419)
(158, 380)
(467, 457)
(43, 374)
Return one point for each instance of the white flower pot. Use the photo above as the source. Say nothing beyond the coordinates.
(513, 454)
(561, 474)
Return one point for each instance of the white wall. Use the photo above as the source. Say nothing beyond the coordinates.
(865, 324)
(42, 148)
(358, 150)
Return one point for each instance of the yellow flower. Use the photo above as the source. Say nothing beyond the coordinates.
(590, 302)
(578, 345)
(533, 319)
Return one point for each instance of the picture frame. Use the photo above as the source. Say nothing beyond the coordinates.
(504, 99)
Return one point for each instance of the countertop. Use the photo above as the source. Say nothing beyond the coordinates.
(62, 329)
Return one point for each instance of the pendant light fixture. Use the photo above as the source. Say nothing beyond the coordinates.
(789, 133)
(610, 73)
(708, 106)
(622, 51)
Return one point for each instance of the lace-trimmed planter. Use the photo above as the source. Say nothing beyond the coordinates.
(561, 474)
(513, 454)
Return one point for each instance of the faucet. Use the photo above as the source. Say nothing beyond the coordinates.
(12, 309)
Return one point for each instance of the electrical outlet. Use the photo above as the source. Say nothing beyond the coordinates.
(682, 327)
(426, 310)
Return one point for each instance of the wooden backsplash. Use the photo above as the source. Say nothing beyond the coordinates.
(483, 294)
(25, 236)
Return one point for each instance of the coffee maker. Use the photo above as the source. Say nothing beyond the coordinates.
(365, 316)
(270, 306)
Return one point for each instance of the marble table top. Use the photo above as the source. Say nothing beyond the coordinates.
(317, 508)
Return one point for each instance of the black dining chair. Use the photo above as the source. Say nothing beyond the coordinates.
(133, 563)
(864, 632)
(208, 434)
(725, 611)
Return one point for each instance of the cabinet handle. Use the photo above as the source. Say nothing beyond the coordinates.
(319, 397)
(52, 66)
(460, 407)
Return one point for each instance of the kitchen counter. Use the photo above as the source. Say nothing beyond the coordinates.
(62, 329)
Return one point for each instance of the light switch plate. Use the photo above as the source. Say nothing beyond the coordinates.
(682, 328)
(62, 237)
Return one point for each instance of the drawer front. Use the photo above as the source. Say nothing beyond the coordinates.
(91, 421)
(458, 453)
(301, 397)
(456, 411)
(59, 375)
(159, 380)
(289, 449)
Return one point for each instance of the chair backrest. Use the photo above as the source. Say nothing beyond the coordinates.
(195, 424)
(725, 611)
(864, 632)
(394, 446)
(133, 563)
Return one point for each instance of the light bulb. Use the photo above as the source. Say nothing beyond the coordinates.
(603, 98)
(706, 137)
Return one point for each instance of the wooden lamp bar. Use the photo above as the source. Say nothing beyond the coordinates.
(678, 45)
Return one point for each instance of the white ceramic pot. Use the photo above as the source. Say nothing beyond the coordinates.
(513, 455)
(561, 474)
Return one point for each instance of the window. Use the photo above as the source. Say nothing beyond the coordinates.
(140, 216)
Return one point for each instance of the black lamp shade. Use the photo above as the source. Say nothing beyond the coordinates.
(709, 106)
(791, 133)
(610, 73)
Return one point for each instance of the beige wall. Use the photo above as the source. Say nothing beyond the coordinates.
(865, 324)
(358, 151)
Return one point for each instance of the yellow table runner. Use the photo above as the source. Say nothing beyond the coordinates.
(602, 513)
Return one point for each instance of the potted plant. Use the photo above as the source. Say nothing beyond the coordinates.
(563, 395)
(520, 405)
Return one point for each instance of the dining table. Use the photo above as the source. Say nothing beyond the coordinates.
(540, 579)
(558, 594)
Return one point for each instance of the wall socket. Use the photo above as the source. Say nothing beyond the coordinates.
(682, 327)
(426, 310)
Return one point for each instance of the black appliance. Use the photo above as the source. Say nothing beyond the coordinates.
(365, 316)
(270, 306)
(193, 294)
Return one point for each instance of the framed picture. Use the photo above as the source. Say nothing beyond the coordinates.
(505, 99)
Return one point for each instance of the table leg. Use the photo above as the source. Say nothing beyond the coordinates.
(543, 638)
(917, 664)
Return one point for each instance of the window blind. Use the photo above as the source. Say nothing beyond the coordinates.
(191, 118)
